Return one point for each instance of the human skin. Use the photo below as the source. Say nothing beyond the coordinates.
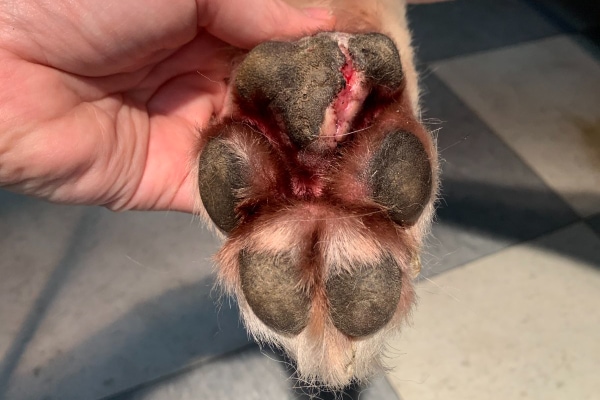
(114, 104)
(100, 102)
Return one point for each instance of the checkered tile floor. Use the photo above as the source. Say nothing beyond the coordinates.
(97, 305)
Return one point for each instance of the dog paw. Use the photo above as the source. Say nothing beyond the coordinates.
(323, 181)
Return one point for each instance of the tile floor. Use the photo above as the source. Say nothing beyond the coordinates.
(96, 305)
(518, 324)
(520, 140)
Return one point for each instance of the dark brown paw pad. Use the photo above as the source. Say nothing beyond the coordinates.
(221, 173)
(294, 86)
(401, 177)
(271, 287)
(364, 301)
(323, 181)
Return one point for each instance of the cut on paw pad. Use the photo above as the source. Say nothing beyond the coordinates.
(323, 181)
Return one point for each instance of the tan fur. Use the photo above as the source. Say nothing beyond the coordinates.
(383, 16)
(323, 354)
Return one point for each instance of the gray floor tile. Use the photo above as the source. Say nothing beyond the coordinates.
(453, 28)
(490, 198)
(522, 324)
(248, 375)
(94, 302)
(594, 223)
(542, 98)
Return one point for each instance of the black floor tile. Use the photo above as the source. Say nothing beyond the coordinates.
(250, 374)
(490, 198)
(575, 14)
(594, 223)
(454, 28)
(593, 35)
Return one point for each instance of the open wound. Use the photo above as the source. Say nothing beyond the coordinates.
(319, 178)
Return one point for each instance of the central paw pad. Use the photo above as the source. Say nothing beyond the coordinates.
(323, 181)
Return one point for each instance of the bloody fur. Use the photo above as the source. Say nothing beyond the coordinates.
(313, 205)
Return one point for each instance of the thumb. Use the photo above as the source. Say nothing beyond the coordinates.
(245, 23)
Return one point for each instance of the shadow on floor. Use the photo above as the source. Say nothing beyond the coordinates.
(153, 339)
(157, 337)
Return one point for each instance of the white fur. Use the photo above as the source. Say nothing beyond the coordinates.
(322, 353)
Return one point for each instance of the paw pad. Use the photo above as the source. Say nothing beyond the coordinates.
(270, 285)
(323, 181)
(363, 301)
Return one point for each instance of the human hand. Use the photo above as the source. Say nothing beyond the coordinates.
(100, 101)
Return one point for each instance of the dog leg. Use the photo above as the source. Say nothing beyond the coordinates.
(323, 180)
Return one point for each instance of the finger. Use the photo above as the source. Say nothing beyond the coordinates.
(245, 23)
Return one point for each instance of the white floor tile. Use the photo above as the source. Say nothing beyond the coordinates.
(543, 98)
(520, 324)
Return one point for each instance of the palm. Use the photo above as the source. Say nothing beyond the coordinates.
(126, 133)
(103, 99)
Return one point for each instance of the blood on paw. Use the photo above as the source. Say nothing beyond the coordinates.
(323, 180)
